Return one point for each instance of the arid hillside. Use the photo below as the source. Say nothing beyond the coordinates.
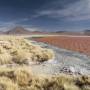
(17, 30)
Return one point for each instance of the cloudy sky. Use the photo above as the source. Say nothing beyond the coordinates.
(45, 15)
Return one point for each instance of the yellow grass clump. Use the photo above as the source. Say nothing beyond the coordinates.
(21, 51)
(23, 76)
(42, 54)
(2, 50)
(20, 76)
(21, 57)
(48, 53)
(7, 84)
(5, 58)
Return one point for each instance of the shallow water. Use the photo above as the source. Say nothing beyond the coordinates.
(65, 61)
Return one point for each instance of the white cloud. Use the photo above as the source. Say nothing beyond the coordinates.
(4, 26)
(7, 25)
(76, 11)
(32, 29)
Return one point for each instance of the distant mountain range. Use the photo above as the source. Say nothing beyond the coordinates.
(1, 32)
(87, 32)
(20, 31)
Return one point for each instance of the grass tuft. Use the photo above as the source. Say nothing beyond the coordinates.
(21, 51)
(23, 76)
(7, 84)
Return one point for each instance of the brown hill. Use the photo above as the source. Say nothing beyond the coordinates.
(1, 32)
(87, 32)
(18, 30)
(38, 32)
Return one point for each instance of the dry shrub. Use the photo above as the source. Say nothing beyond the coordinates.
(23, 76)
(21, 57)
(83, 82)
(6, 45)
(66, 81)
(7, 84)
(19, 75)
(5, 58)
(62, 83)
(48, 54)
(42, 55)
(37, 56)
(52, 83)
(7, 72)
(2, 50)
(22, 50)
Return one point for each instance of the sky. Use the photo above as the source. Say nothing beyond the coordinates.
(45, 15)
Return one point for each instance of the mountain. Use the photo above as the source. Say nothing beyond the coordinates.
(60, 31)
(38, 32)
(1, 32)
(18, 30)
(87, 32)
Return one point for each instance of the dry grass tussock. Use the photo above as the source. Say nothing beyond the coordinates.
(19, 50)
(7, 84)
(22, 78)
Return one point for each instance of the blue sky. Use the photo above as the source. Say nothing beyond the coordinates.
(45, 15)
